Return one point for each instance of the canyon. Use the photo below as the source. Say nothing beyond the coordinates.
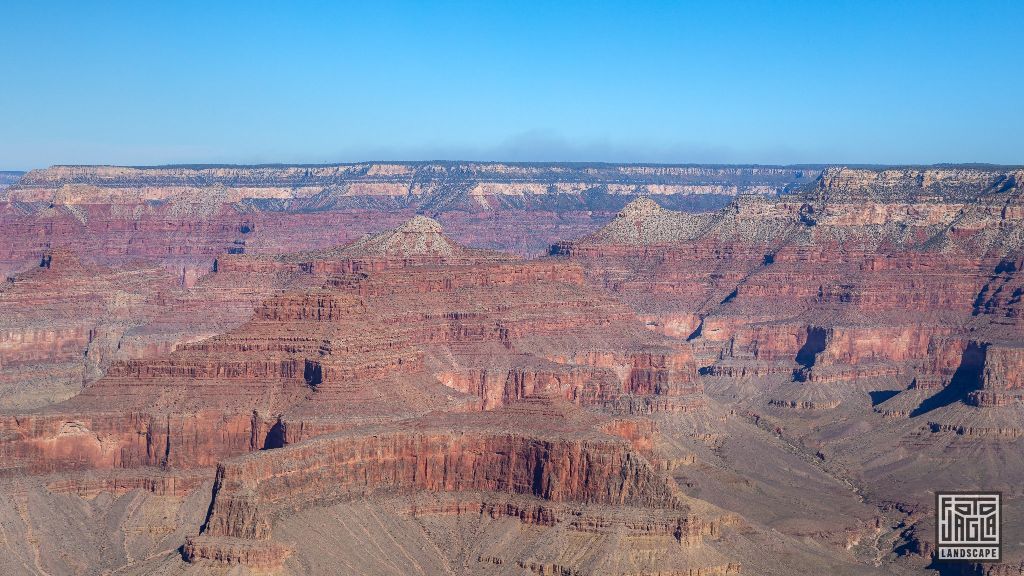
(185, 216)
(487, 368)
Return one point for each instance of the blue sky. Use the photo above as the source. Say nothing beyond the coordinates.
(748, 82)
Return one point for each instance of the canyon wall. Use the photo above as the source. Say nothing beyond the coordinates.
(184, 216)
(871, 318)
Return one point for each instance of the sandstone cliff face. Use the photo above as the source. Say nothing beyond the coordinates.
(248, 494)
(532, 477)
(44, 443)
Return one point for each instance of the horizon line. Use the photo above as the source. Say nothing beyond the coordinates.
(801, 165)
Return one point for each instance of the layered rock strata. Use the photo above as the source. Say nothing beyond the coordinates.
(394, 326)
(184, 216)
(872, 277)
(500, 470)
(399, 403)
(870, 319)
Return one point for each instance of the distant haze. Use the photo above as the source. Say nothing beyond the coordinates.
(720, 82)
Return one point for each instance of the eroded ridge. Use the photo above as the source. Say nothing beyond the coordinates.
(538, 460)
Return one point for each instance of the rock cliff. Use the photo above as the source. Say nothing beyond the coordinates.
(442, 182)
(564, 459)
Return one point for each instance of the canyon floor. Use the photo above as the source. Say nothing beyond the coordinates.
(485, 368)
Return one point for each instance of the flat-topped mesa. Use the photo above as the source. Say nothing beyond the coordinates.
(480, 183)
(908, 184)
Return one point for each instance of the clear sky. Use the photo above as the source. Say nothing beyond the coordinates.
(750, 82)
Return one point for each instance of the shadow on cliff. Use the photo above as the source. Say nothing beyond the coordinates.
(275, 436)
(817, 340)
(879, 396)
(814, 344)
(966, 379)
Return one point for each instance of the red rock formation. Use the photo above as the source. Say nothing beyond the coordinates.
(162, 482)
(461, 389)
(233, 552)
(62, 321)
(462, 329)
(1003, 376)
(864, 277)
(563, 459)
